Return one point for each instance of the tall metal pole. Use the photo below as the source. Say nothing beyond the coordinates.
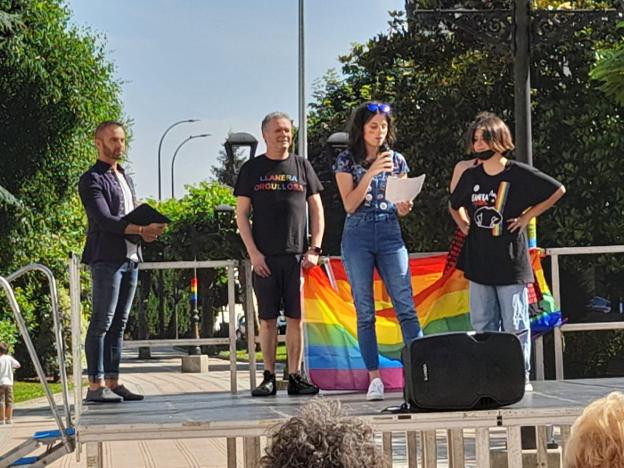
(194, 350)
(522, 81)
(161, 278)
(160, 148)
(303, 124)
(175, 154)
(522, 93)
(522, 111)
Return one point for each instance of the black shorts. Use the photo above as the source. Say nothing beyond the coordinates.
(281, 290)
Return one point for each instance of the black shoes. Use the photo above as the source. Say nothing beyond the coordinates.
(267, 387)
(297, 385)
(126, 394)
(102, 395)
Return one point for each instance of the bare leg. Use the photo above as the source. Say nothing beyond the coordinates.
(374, 374)
(112, 383)
(294, 347)
(95, 384)
(268, 343)
(8, 413)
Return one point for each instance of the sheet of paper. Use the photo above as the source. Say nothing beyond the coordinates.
(406, 189)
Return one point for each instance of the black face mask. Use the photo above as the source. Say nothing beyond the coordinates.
(484, 155)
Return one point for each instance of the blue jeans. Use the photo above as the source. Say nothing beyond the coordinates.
(113, 288)
(493, 308)
(369, 241)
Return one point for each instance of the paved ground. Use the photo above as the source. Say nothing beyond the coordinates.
(160, 375)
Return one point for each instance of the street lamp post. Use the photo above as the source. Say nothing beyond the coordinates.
(338, 141)
(175, 154)
(238, 140)
(160, 148)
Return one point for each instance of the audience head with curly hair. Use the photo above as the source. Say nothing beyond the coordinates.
(597, 438)
(323, 436)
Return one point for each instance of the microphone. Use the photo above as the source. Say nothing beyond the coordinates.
(382, 149)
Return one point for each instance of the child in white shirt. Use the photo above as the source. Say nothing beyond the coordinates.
(7, 364)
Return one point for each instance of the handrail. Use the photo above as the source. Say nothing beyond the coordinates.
(56, 318)
(187, 264)
(21, 324)
(587, 250)
(555, 253)
(230, 265)
(76, 327)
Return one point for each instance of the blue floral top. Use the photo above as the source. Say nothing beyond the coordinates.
(375, 200)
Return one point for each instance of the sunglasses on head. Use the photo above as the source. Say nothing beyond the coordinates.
(378, 107)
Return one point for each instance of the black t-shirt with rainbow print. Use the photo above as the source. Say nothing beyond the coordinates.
(492, 254)
(278, 190)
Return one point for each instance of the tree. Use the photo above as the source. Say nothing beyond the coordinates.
(437, 76)
(55, 86)
(609, 70)
(8, 23)
(227, 170)
(6, 198)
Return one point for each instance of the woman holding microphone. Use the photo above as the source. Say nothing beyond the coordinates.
(372, 235)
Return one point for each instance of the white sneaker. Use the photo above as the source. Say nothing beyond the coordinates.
(528, 387)
(375, 390)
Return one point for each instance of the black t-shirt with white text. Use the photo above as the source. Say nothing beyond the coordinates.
(279, 190)
(493, 255)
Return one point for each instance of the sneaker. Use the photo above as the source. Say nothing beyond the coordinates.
(297, 385)
(126, 394)
(375, 390)
(102, 395)
(267, 387)
(8, 421)
(528, 387)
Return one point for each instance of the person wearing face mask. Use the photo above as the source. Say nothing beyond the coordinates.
(459, 237)
(492, 204)
(371, 236)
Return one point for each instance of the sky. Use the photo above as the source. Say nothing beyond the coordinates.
(226, 62)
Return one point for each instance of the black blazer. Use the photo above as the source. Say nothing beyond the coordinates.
(102, 199)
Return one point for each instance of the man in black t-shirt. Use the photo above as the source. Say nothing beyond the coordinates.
(274, 188)
(492, 204)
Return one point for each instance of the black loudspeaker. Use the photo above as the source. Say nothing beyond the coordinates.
(463, 371)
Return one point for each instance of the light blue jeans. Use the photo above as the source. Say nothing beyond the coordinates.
(496, 308)
(372, 241)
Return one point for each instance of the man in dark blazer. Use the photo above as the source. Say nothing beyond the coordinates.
(112, 251)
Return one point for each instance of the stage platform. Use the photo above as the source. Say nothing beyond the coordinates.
(220, 414)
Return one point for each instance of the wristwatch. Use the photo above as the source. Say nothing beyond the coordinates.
(316, 250)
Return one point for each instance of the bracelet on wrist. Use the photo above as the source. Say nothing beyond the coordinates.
(315, 250)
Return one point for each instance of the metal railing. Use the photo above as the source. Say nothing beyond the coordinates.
(77, 344)
(5, 283)
(555, 253)
(244, 267)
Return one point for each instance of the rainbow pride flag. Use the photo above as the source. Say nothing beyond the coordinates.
(332, 353)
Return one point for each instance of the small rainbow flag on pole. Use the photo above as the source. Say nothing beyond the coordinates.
(194, 291)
